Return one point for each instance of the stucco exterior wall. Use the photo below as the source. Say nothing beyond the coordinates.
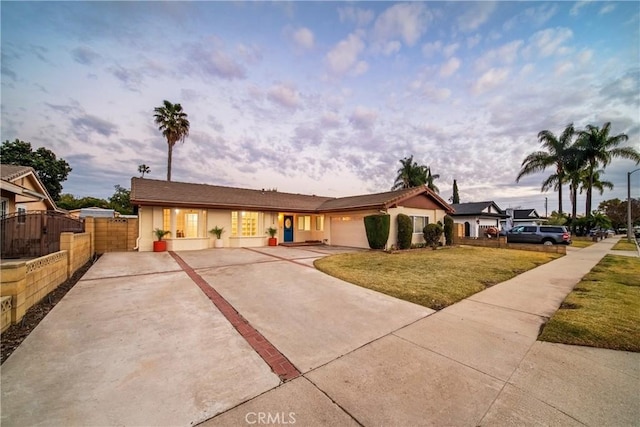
(434, 215)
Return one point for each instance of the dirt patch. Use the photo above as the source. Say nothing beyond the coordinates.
(13, 337)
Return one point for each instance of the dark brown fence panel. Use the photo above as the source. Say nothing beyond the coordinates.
(35, 233)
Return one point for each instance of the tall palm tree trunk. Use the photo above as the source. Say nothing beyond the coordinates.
(169, 159)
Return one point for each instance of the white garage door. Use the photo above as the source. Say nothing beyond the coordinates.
(349, 231)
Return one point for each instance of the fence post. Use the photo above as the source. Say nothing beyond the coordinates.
(14, 283)
(66, 244)
(90, 227)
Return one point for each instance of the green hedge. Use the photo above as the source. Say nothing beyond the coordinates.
(405, 231)
(432, 234)
(377, 227)
(448, 230)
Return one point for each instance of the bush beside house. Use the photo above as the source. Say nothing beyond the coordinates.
(432, 234)
(405, 231)
(377, 228)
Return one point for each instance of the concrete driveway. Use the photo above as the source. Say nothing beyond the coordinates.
(136, 342)
(207, 336)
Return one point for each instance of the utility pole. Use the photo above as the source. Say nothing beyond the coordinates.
(546, 211)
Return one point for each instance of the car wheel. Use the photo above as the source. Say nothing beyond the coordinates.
(547, 242)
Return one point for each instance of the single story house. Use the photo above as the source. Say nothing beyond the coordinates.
(478, 217)
(21, 190)
(189, 210)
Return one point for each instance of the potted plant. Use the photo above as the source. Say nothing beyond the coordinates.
(160, 245)
(273, 241)
(217, 231)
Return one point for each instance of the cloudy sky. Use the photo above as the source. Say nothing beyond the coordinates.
(320, 97)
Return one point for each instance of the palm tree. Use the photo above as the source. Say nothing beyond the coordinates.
(599, 149)
(595, 184)
(575, 173)
(143, 169)
(173, 123)
(409, 175)
(556, 154)
(430, 178)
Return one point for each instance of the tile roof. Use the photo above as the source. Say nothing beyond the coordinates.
(156, 192)
(11, 172)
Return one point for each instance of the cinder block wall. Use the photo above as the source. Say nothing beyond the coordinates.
(26, 283)
(115, 234)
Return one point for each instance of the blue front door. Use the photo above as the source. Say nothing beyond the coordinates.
(288, 228)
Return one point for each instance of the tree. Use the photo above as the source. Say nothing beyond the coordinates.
(556, 219)
(143, 169)
(600, 220)
(430, 178)
(598, 149)
(120, 201)
(173, 123)
(409, 175)
(597, 183)
(50, 170)
(556, 153)
(455, 199)
(616, 210)
(69, 202)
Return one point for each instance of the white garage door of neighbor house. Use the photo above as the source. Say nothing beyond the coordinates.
(348, 230)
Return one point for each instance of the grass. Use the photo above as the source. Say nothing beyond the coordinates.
(624, 245)
(435, 279)
(603, 310)
(581, 242)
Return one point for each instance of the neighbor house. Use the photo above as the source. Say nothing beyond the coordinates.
(478, 217)
(522, 217)
(189, 210)
(22, 191)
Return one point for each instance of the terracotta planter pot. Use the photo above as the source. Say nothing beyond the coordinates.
(273, 241)
(159, 246)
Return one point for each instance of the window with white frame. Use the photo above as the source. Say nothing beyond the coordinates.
(304, 222)
(419, 222)
(320, 223)
(245, 224)
(187, 223)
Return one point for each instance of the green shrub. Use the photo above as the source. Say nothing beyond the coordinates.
(448, 230)
(432, 234)
(377, 227)
(405, 231)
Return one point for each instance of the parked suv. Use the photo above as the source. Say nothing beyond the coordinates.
(545, 234)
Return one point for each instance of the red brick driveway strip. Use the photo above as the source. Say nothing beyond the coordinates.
(276, 360)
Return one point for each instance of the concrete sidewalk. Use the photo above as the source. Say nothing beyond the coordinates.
(474, 363)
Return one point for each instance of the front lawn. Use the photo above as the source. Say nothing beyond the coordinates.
(603, 310)
(624, 245)
(581, 242)
(434, 279)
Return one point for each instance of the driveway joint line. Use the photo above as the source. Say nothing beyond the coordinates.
(453, 360)
(277, 361)
(280, 258)
(151, 273)
(545, 318)
(334, 401)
